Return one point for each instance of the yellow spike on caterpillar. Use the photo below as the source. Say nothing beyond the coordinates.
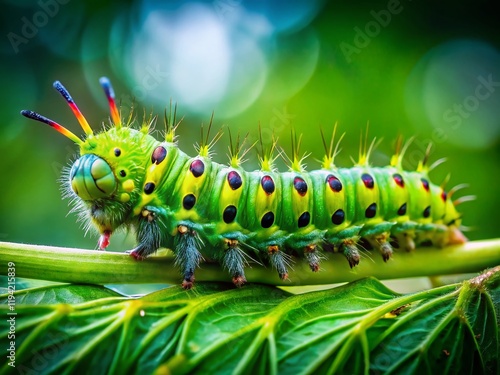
(456, 188)
(436, 164)
(295, 162)
(169, 119)
(466, 198)
(266, 156)
(204, 148)
(331, 152)
(397, 158)
(423, 166)
(236, 151)
(365, 151)
(125, 178)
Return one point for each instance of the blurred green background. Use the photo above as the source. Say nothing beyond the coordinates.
(429, 69)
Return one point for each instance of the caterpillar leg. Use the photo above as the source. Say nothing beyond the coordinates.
(103, 242)
(380, 242)
(351, 252)
(187, 254)
(455, 236)
(279, 260)
(149, 235)
(406, 241)
(313, 257)
(234, 261)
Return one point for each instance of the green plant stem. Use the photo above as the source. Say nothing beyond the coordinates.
(100, 267)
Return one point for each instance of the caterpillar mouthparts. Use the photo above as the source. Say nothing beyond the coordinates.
(202, 209)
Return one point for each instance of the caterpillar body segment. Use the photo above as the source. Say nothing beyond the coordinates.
(202, 209)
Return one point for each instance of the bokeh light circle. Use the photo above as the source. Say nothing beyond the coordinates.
(212, 58)
(454, 94)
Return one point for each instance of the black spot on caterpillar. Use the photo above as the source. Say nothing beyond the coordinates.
(199, 208)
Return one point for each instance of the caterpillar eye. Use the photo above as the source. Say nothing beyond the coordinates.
(92, 178)
(118, 152)
(123, 173)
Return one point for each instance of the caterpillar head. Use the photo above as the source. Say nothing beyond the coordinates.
(103, 182)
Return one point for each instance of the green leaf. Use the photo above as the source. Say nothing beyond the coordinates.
(361, 327)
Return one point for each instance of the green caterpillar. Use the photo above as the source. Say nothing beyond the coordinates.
(198, 208)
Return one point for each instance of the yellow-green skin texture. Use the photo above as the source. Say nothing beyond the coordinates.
(137, 191)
